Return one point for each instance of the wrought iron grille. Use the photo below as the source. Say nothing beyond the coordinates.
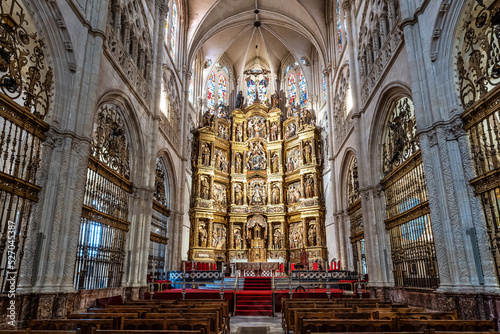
(104, 224)
(478, 62)
(159, 222)
(409, 225)
(407, 204)
(25, 88)
(478, 69)
(482, 122)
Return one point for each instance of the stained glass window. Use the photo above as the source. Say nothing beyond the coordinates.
(173, 38)
(222, 89)
(190, 89)
(251, 92)
(262, 90)
(324, 82)
(166, 31)
(211, 93)
(292, 89)
(303, 89)
(339, 26)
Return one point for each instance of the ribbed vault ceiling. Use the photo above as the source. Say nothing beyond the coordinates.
(227, 26)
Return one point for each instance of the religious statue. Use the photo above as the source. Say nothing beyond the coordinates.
(237, 239)
(275, 194)
(238, 164)
(202, 236)
(207, 118)
(257, 127)
(312, 235)
(222, 131)
(205, 188)
(256, 195)
(275, 162)
(274, 131)
(256, 157)
(307, 151)
(293, 194)
(239, 100)
(239, 132)
(309, 191)
(290, 130)
(307, 119)
(205, 154)
(275, 100)
(238, 194)
(278, 239)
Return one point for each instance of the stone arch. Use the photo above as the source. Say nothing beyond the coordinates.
(166, 157)
(349, 155)
(390, 93)
(443, 51)
(49, 22)
(134, 132)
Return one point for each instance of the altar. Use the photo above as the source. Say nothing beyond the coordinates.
(254, 269)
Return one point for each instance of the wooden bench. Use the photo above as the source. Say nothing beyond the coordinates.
(98, 315)
(71, 324)
(157, 331)
(215, 326)
(394, 325)
(29, 330)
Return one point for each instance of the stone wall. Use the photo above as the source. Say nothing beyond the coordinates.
(484, 306)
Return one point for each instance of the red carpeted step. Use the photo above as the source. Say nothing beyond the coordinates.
(256, 303)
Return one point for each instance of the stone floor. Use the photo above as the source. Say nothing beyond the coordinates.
(272, 325)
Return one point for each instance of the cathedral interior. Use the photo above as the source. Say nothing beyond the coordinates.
(143, 138)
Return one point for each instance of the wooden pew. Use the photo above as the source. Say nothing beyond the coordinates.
(70, 324)
(30, 331)
(98, 315)
(157, 331)
(394, 325)
(215, 326)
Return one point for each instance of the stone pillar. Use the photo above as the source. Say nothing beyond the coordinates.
(376, 43)
(447, 163)
(391, 13)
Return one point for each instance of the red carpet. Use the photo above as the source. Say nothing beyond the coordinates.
(256, 297)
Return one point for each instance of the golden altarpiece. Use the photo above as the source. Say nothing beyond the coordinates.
(257, 188)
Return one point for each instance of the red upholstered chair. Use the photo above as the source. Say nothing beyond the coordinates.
(281, 268)
(315, 266)
(293, 266)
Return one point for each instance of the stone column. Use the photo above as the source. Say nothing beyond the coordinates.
(49, 262)
(454, 209)
(392, 13)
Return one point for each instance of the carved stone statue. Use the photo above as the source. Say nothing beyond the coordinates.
(274, 131)
(205, 154)
(309, 191)
(237, 239)
(207, 118)
(202, 236)
(275, 194)
(307, 152)
(238, 164)
(307, 119)
(275, 100)
(275, 162)
(239, 132)
(278, 239)
(238, 194)
(205, 188)
(239, 100)
(312, 235)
